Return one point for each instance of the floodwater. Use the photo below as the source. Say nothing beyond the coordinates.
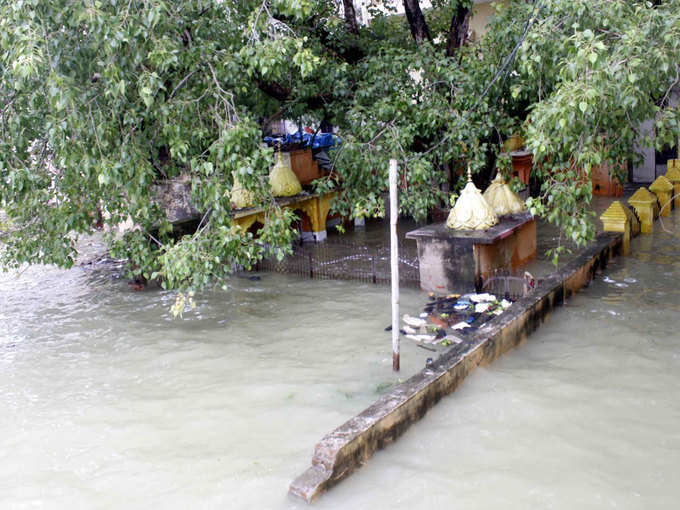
(108, 403)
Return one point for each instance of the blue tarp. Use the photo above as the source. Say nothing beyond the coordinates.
(318, 141)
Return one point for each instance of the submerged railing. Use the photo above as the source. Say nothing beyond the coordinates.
(342, 259)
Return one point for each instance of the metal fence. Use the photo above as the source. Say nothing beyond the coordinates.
(342, 259)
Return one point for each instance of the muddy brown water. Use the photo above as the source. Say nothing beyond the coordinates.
(107, 402)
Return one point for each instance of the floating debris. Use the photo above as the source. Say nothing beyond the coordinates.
(389, 328)
(481, 298)
(414, 321)
(482, 307)
(427, 339)
(455, 312)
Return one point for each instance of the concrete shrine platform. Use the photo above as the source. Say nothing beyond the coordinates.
(451, 260)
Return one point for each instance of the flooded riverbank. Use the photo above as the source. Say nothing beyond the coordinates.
(108, 403)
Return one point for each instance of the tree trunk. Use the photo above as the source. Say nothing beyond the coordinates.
(416, 21)
(460, 23)
(350, 16)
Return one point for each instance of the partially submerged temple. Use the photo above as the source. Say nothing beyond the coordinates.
(479, 238)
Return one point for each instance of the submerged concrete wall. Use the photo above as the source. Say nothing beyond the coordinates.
(349, 446)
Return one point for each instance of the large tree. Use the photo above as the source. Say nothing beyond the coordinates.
(102, 99)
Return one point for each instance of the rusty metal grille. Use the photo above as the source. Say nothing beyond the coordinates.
(505, 284)
(339, 259)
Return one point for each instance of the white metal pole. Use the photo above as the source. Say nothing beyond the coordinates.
(394, 251)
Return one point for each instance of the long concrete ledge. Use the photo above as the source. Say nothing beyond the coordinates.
(349, 446)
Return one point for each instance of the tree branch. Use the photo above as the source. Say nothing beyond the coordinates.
(184, 80)
(282, 94)
(273, 89)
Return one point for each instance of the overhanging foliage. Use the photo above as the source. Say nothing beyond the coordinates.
(101, 99)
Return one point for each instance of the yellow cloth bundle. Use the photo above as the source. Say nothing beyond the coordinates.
(502, 199)
(471, 211)
(282, 180)
(241, 197)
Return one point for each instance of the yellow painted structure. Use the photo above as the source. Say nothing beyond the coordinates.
(315, 207)
(618, 218)
(634, 221)
(646, 206)
(673, 175)
(663, 189)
